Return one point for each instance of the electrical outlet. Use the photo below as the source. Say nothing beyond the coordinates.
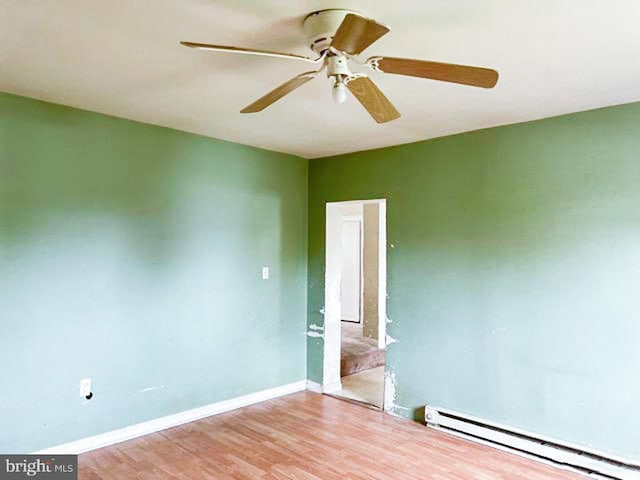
(85, 387)
(265, 273)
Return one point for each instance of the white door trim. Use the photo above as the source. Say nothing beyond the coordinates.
(332, 310)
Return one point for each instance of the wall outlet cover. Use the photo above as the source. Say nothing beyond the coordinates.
(85, 387)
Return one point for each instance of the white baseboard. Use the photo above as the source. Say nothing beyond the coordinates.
(318, 388)
(151, 426)
(314, 387)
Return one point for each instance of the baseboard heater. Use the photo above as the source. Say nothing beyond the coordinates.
(584, 460)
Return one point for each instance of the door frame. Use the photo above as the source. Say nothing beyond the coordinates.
(331, 381)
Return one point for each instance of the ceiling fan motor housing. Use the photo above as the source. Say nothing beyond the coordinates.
(321, 26)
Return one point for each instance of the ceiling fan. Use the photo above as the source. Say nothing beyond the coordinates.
(338, 36)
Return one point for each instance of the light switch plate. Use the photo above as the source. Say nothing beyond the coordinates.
(265, 273)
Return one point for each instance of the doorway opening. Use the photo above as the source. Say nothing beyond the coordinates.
(355, 300)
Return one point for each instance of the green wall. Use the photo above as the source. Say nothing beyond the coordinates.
(132, 254)
(513, 272)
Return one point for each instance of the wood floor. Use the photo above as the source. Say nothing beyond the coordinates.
(306, 436)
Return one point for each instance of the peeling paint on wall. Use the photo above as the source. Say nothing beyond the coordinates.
(313, 326)
(150, 389)
(391, 340)
(315, 334)
(390, 393)
(389, 404)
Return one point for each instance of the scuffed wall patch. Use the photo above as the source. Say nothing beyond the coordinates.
(391, 340)
(389, 404)
(390, 396)
(150, 389)
(314, 330)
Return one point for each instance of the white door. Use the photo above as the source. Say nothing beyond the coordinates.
(350, 287)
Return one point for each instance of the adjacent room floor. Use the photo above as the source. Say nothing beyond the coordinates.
(307, 436)
(366, 386)
(361, 366)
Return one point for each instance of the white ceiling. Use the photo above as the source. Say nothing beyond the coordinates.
(122, 57)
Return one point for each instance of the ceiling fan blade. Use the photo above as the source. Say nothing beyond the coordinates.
(248, 51)
(372, 99)
(279, 92)
(356, 33)
(446, 72)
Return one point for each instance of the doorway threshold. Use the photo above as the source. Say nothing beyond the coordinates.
(361, 403)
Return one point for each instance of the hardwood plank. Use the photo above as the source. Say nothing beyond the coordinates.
(306, 436)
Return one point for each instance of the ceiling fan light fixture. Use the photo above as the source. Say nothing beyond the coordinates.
(339, 92)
